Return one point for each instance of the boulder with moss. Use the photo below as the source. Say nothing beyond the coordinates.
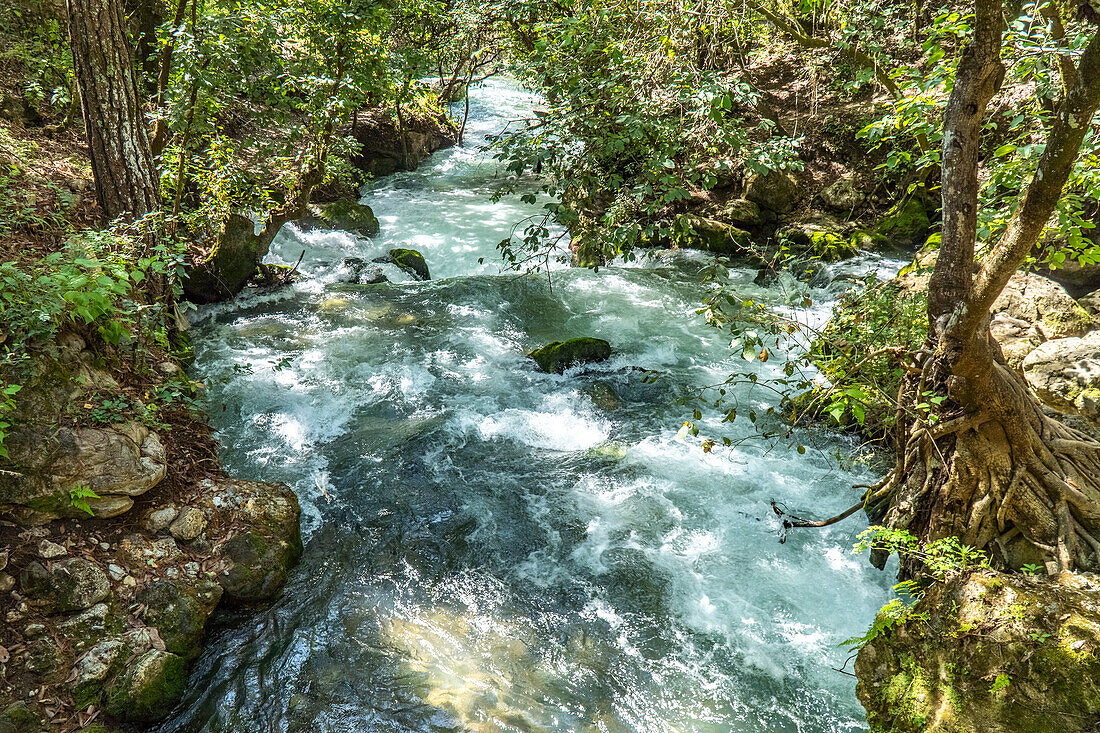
(558, 356)
(226, 270)
(714, 236)
(410, 261)
(989, 652)
(178, 610)
(776, 190)
(51, 460)
(906, 224)
(347, 214)
(148, 688)
(264, 542)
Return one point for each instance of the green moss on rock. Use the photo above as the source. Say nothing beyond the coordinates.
(350, 215)
(558, 356)
(906, 224)
(148, 688)
(411, 262)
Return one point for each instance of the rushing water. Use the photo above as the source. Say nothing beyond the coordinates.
(491, 548)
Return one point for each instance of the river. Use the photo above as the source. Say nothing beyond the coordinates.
(491, 548)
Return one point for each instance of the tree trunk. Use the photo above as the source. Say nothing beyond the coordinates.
(987, 466)
(118, 140)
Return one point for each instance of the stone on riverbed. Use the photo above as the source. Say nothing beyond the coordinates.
(558, 356)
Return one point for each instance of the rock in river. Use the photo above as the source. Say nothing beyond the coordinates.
(558, 356)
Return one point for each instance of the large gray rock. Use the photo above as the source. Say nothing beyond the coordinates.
(1065, 374)
(843, 194)
(179, 610)
(72, 584)
(1091, 303)
(1046, 304)
(1016, 337)
(775, 190)
(347, 214)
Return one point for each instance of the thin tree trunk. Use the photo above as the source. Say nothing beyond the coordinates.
(118, 140)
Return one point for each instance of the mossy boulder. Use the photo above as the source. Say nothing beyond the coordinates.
(989, 652)
(148, 688)
(179, 610)
(558, 356)
(346, 214)
(411, 262)
(745, 213)
(19, 718)
(775, 190)
(234, 261)
(864, 239)
(906, 224)
(822, 238)
(715, 236)
(259, 555)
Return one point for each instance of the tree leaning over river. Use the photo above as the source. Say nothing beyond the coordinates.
(992, 467)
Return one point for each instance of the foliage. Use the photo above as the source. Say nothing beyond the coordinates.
(940, 560)
(79, 496)
(635, 125)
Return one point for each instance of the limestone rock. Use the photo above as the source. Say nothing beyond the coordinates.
(1016, 337)
(160, 519)
(775, 190)
(73, 584)
(109, 506)
(1041, 301)
(179, 611)
(91, 671)
(411, 262)
(558, 356)
(42, 656)
(50, 550)
(1065, 374)
(18, 718)
(85, 629)
(989, 652)
(189, 525)
(843, 194)
(148, 688)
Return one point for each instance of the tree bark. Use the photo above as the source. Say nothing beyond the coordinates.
(118, 139)
(987, 466)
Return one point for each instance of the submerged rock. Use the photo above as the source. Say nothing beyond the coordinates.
(558, 356)
(989, 652)
(411, 262)
(1065, 374)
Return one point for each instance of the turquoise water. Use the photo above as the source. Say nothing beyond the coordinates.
(491, 548)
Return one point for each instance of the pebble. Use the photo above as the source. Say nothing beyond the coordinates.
(116, 572)
(50, 550)
(3, 559)
(6, 582)
(104, 546)
(160, 519)
(33, 631)
(129, 581)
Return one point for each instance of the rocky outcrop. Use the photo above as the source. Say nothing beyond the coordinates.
(384, 148)
(716, 236)
(52, 460)
(226, 270)
(843, 195)
(1065, 374)
(1046, 304)
(558, 356)
(114, 624)
(989, 652)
